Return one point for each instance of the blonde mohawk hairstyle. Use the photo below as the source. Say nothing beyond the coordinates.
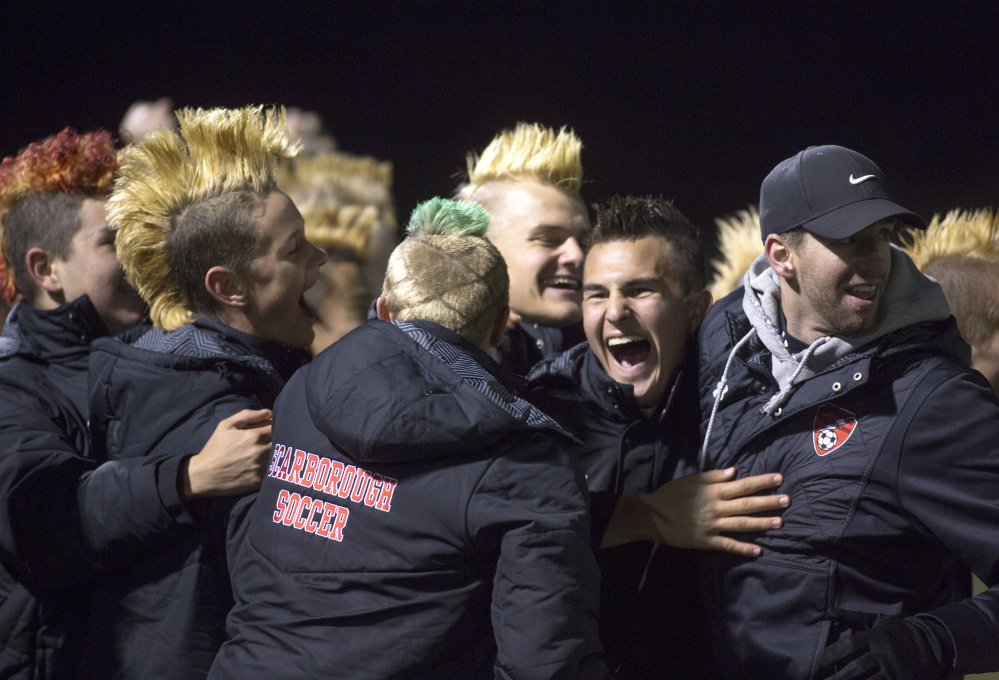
(961, 251)
(739, 245)
(528, 151)
(446, 271)
(213, 153)
(973, 234)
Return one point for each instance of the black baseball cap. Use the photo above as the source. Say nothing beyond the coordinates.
(829, 190)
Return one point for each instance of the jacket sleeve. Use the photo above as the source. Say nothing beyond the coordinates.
(128, 505)
(59, 513)
(531, 506)
(949, 482)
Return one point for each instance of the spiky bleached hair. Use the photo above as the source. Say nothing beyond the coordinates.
(183, 204)
(961, 251)
(341, 196)
(528, 151)
(739, 245)
(446, 271)
(960, 233)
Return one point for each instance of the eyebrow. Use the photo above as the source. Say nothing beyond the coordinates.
(644, 280)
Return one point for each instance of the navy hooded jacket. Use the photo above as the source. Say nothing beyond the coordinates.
(64, 521)
(651, 621)
(891, 458)
(417, 522)
(158, 400)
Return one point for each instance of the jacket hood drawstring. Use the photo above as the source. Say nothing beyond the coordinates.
(720, 389)
(910, 297)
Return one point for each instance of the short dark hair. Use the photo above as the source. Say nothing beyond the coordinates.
(47, 221)
(631, 218)
(220, 231)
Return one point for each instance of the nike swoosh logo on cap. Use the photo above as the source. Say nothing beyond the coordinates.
(858, 180)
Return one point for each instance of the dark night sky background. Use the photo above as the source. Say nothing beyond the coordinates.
(694, 101)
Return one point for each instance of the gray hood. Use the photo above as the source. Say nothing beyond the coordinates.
(910, 297)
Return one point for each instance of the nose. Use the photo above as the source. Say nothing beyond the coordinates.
(571, 254)
(617, 308)
(318, 257)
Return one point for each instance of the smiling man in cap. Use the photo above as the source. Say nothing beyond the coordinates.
(838, 365)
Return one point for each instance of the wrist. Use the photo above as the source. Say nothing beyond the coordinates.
(188, 481)
(631, 522)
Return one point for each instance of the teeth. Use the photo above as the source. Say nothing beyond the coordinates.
(562, 282)
(623, 340)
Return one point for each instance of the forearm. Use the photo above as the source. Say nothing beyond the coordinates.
(973, 625)
(126, 505)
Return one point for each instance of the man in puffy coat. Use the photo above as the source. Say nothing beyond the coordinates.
(419, 519)
(66, 522)
(629, 394)
(220, 256)
(839, 365)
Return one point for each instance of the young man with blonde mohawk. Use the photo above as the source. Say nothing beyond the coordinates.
(961, 251)
(418, 520)
(66, 522)
(529, 178)
(220, 255)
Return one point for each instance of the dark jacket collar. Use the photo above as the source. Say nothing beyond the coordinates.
(56, 335)
(507, 377)
(527, 344)
(578, 369)
(286, 360)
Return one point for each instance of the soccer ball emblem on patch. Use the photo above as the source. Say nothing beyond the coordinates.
(833, 426)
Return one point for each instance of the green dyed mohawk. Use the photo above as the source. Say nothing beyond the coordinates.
(446, 217)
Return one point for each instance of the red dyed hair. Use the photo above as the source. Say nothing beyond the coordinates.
(67, 162)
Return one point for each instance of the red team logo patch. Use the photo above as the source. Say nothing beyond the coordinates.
(833, 426)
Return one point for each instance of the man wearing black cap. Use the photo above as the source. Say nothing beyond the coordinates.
(839, 366)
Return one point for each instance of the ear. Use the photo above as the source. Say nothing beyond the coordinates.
(43, 273)
(499, 327)
(382, 309)
(223, 286)
(780, 257)
(700, 302)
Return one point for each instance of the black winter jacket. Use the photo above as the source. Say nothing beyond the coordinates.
(416, 519)
(891, 459)
(160, 399)
(64, 522)
(651, 621)
(527, 344)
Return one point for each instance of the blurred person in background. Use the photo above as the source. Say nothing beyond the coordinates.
(347, 205)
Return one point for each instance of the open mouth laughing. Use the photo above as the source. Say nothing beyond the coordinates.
(629, 351)
(865, 292)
